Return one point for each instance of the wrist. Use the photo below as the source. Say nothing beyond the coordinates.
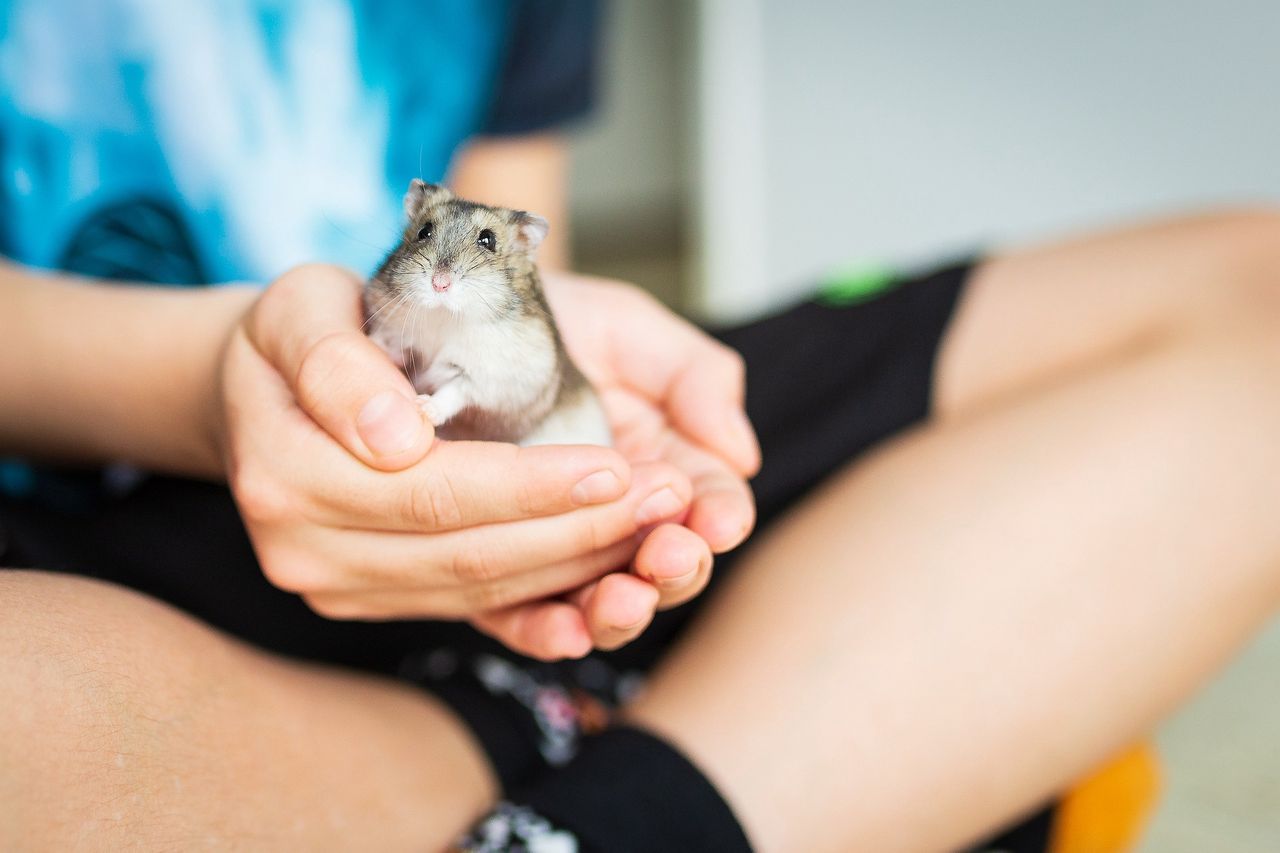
(95, 372)
(228, 306)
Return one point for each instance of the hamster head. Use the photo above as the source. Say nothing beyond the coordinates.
(468, 258)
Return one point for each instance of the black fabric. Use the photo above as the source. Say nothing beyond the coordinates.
(1032, 835)
(825, 384)
(629, 792)
(549, 76)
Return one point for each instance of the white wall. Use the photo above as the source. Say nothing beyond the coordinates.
(901, 131)
(628, 160)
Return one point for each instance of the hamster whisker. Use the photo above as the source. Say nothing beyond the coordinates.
(512, 380)
(353, 238)
(395, 301)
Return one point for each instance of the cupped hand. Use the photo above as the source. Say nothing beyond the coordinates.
(352, 504)
(673, 395)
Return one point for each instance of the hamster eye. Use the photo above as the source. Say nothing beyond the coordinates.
(486, 240)
(425, 232)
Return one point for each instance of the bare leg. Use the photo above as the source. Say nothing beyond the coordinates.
(1040, 316)
(129, 725)
(129, 721)
(980, 612)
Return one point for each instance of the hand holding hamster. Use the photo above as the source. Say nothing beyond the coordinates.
(459, 306)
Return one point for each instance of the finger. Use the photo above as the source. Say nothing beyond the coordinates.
(616, 609)
(479, 568)
(705, 400)
(676, 561)
(383, 603)
(468, 483)
(722, 512)
(547, 630)
(459, 484)
(309, 326)
(700, 382)
(723, 509)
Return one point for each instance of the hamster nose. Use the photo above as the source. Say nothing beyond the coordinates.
(441, 280)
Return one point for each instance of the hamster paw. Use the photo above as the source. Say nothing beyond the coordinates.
(433, 410)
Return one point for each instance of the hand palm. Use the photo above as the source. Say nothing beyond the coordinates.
(672, 394)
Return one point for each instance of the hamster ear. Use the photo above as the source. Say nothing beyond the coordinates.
(422, 195)
(530, 230)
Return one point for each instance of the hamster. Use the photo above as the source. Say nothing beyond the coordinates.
(458, 304)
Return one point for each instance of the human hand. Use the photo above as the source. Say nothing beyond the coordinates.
(352, 504)
(672, 394)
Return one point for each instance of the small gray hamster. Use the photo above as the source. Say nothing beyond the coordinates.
(458, 304)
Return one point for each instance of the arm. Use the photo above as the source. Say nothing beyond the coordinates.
(281, 392)
(70, 390)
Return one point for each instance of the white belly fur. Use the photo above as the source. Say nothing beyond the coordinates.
(510, 372)
(579, 421)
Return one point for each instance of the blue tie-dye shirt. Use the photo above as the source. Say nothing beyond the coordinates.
(255, 134)
(196, 141)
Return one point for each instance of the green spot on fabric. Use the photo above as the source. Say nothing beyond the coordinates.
(856, 284)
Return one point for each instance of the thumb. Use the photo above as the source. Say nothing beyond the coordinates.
(309, 326)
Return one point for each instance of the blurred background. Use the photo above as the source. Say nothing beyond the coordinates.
(747, 149)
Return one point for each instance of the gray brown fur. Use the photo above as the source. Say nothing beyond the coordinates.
(494, 310)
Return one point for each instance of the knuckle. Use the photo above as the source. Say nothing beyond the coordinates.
(292, 573)
(597, 533)
(375, 575)
(337, 607)
(262, 498)
(473, 570)
(326, 355)
(529, 498)
(491, 596)
(434, 505)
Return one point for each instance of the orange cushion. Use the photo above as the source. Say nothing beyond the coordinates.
(1108, 810)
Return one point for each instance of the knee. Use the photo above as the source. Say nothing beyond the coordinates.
(1245, 244)
(95, 682)
(86, 643)
(87, 668)
(67, 652)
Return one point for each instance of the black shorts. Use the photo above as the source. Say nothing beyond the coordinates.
(828, 379)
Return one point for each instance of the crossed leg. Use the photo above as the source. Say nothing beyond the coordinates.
(953, 628)
(960, 625)
(125, 724)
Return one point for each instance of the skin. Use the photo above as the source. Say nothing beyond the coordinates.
(988, 607)
(331, 461)
(173, 753)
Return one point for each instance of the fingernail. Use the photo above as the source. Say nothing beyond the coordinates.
(389, 423)
(597, 488)
(663, 503)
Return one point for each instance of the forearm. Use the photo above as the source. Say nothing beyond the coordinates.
(93, 372)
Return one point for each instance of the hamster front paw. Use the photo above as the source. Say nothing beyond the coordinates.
(435, 412)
